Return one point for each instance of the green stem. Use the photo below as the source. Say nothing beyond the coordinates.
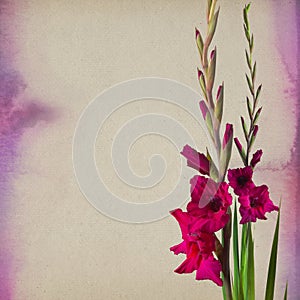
(226, 235)
(251, 82)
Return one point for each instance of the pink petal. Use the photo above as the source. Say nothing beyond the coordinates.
(183, 219)
(180, 248)
(210, 268)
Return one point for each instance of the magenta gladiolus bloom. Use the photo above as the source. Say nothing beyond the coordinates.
(256, 204)
(209, 204)
(241, 180)
(198, 248)
(196, 160)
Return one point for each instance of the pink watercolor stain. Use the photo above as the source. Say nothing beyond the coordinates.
(286, 16)
(17, 114)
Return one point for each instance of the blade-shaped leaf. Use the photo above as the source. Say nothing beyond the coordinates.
(285, 292)
(224, 289)
(269, 295)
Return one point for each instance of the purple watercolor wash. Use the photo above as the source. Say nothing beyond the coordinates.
(8, 146)
(17, 113)
(287, 32)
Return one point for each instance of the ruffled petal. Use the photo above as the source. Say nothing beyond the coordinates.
(210, 268)
(180, 248)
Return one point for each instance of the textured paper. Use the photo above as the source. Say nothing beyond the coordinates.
(68, 52)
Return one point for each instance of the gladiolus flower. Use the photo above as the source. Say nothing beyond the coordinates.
(241, 180)
(198, 248)
(256, 204)
(210, 201)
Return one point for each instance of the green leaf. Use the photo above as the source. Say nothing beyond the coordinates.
(285, 292)
(236, 263)
(251, 267)
(244, 264)
(223, 288)
(269, 295)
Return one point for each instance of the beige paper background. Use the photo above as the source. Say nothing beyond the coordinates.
(69, 52)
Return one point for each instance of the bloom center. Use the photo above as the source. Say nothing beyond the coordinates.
(215, 203)
(253, 201)
(242, 180)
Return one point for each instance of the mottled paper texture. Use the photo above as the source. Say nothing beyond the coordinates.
(58, 246)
